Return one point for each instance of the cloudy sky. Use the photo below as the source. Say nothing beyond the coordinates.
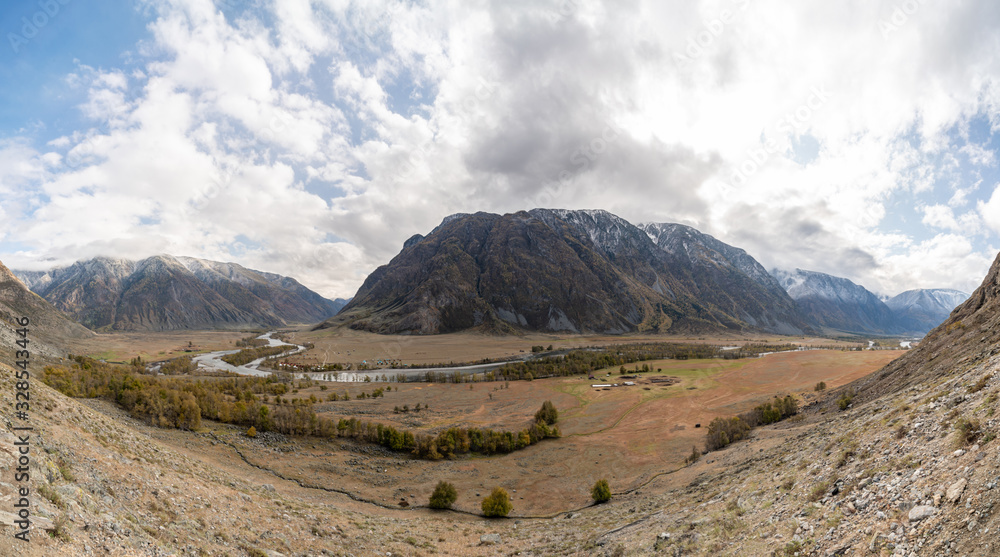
(311, 138)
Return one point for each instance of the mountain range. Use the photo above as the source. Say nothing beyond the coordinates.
(542, 270)
(168, 293)
(591, 271)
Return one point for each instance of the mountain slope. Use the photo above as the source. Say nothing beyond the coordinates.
(728, 277)
(836, 303)
(48, 330)
(922, 310)
(169, 293)
(553, 270)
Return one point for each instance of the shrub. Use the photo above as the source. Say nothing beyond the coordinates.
(967, 430)
(444, 496)
(252, 432)
(601, 492)
(844, 402)
(497, 504)
(693, 457)
(821, 386)
(981, 384)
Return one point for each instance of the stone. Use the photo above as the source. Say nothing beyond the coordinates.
(663, 536)
(489, 539)
(954, 493)
(921, 512)
(958, 453)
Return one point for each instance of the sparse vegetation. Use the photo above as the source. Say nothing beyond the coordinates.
(601, 492)
(497, 504)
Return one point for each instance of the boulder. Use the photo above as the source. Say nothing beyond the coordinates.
(954, 492)
(489, 539)
(921, 512)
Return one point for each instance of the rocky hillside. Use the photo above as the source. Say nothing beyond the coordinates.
(578, 271)
(836, 304)
(49, 330)
(902, 462)
(167, 293)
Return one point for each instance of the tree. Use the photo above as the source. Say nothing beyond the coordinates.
(821, 386)
(497, 504)
(444, 496)
(547, 413)
(252, 432)
(601, 492)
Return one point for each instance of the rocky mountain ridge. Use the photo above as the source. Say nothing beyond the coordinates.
(170, 293)
(559, 270)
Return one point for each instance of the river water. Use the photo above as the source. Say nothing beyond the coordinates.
(213, 360)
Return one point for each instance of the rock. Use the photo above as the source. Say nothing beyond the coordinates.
(921, 512)
(958, 453)
(663, 536)
(267, 487)
(954, 492)
(489, 539)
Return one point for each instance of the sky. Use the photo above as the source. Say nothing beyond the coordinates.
(312, 138)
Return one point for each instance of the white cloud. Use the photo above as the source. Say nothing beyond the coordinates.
(371, 121)
(940, 216)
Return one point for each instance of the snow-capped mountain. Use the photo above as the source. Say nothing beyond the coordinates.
(837, 303)
(167, 293)
(922, 310)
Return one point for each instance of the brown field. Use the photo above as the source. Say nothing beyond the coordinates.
(152, 347)
(628, 435)
(349, 346)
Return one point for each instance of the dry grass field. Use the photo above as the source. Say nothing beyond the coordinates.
(629, 435)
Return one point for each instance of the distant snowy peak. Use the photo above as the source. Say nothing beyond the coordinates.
(803, 284)
(922, 310)
(933, 299)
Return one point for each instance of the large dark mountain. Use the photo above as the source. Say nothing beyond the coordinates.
(167, 293)
(48, 329)
(922, 310)
(837, 304)
(580, 271)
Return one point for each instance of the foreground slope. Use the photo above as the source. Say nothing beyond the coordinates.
(169, 293)
(557, 270)
(49, 330)
(911, 466)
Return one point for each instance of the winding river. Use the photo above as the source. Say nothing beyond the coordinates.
(213, 360)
